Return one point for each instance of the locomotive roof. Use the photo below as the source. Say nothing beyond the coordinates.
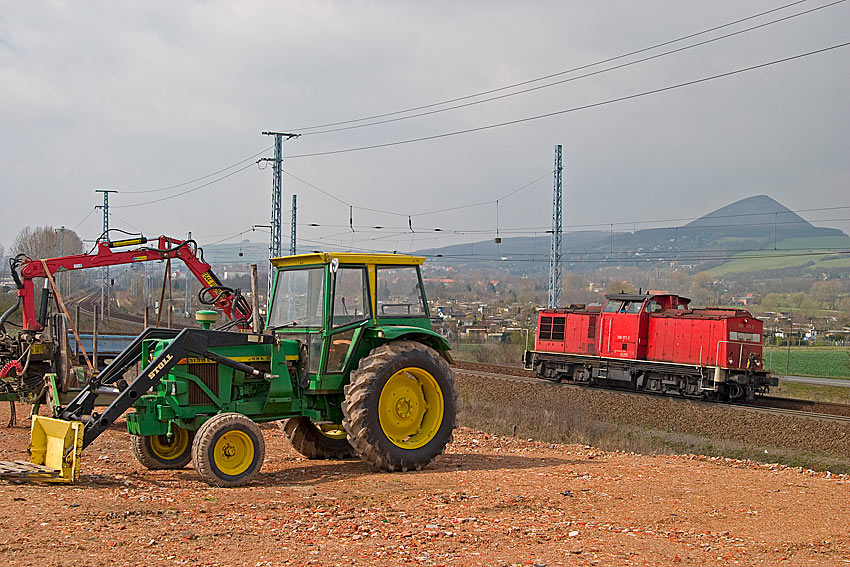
(639, 297)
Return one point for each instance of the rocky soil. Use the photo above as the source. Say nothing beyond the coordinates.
(490, 500)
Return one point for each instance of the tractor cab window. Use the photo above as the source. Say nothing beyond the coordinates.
(399, 292)
(351, 296)
(298, 298)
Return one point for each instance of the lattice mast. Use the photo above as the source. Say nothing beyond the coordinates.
(557, 225)
(104, 274)
(276, 224)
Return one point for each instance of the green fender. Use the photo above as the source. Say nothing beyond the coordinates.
(425, 336)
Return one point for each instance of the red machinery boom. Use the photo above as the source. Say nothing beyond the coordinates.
(234, 306)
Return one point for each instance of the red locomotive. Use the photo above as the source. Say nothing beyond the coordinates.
(653, 343)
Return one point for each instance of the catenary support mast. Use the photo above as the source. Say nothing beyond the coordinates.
(276, 237)
(557, 225)
(104, 284)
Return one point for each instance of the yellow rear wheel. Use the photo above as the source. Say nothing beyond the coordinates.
(228, 450)
(400, 406)
(317, 441)
(411, 408)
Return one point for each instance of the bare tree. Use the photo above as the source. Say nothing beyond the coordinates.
(46, 242)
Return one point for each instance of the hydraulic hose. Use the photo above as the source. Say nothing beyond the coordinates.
(6, 315)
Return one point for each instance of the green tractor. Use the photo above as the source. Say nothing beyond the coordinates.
(348, 362)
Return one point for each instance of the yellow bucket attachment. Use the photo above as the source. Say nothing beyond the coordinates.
(55, 450)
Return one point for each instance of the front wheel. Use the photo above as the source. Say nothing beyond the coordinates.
(158, 452)
(228, 450)
(400, 406)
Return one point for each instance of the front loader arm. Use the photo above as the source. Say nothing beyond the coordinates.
(186, 342)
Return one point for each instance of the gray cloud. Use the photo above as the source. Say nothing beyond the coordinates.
(143, 95)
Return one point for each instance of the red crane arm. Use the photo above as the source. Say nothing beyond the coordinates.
(104, 255)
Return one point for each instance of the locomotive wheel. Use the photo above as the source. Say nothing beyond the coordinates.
(317, 441)
(734, 390)
(400, 406)
(158, 452)
(228, 450)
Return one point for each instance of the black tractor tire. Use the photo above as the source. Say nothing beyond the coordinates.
(307, 438)
(364, 421)
(229, 450)
(155, 452)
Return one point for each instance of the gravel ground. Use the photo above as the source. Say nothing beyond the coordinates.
(490, 501)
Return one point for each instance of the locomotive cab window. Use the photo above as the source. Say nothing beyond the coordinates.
(613, 306)
(634, 307)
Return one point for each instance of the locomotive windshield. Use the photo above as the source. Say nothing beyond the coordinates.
(630, 307)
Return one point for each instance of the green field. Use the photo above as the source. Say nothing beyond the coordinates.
(809, 361)
(740, 263)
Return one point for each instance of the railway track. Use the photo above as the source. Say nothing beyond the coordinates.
(766, 404)
(88, 301)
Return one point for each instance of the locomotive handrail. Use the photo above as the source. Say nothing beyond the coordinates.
(740, 352)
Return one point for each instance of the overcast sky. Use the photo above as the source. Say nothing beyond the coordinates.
(133, 96)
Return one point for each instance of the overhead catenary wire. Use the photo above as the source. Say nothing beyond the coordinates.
(542, 230)
(85, 218)
(571, 79)
(573, 109)
(552, 75)
(403, 214)
(161, 199)
(183, 184)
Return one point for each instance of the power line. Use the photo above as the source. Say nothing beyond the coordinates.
(563, 81)
(542, 230)
(84, 218)
(370, 209)
(261, 152)
(570, 110)
(543, 78)
(125, 221)
(223, 177)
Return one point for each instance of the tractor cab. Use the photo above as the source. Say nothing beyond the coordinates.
(336, 305)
